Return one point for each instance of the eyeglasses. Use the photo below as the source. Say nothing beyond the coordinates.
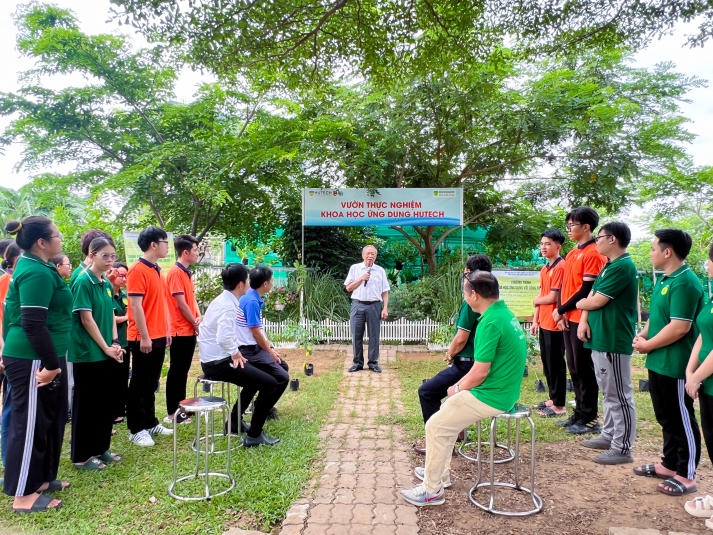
(162, 241)
(107, 256)
(68, 264)
(570, 226)
(597, 238)
(58, 236)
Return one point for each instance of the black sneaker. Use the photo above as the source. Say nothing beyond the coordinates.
(580, 428)
(567, 422)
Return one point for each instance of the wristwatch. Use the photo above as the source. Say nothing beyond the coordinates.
(456, 388)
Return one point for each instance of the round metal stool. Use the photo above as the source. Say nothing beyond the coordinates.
(202, 408)
(225, 393)
(470, 450)
(518, 414)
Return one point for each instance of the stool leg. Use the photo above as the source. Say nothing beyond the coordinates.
(493, 440)
(226, 411)
(532, 463)
(517, 452)
(206, 457)
(175, 448)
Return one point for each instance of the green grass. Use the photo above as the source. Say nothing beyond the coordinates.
(131, 496)
(412, 372)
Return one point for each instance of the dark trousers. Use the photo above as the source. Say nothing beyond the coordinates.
(34, 444)
(181, 357)
(432, 391)
(92, 409)
(364, 316)
(553, 365)
(120, 380)
(250, 378)
(145, 374)
(263, 361)
(584, 380)
(674, 412)
(706, 403)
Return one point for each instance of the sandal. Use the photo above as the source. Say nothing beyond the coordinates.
(92, 464)
(108, 457)
(675, 487)
(700, 506)
(57, 485)
(42, 503)
(549, 412)
(648, 470)
(542, 405)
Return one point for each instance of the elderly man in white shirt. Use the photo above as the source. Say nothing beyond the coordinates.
(369, 287)
(221, 359)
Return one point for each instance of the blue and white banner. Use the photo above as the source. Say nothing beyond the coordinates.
(382, 207)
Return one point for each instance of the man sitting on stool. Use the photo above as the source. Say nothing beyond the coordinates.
(491, 387)
(459, 355)
(221, 359)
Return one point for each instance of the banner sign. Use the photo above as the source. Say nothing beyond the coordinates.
(518, 289)
(383, 207)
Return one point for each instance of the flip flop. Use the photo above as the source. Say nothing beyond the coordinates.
(92, 464)
(648, 470)
(42, 503)
(700, 506)
(57, 485)
(108, 457)
(676, 487)
(540, 406)
(549, 412)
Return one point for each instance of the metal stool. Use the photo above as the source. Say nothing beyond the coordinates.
(465, 449)
(202, 408)
(519, 413)
(208, 387)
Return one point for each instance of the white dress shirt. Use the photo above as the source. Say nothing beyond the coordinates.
(377, 284)
(217, 336)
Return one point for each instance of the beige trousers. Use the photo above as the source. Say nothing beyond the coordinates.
(458, 412)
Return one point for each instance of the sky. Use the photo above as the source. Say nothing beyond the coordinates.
(93, 19)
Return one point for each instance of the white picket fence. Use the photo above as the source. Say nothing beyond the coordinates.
(401, 330)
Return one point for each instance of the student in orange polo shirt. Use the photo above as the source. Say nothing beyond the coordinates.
(550, 336)
(582, 265)
(185, 317)
(148, 335)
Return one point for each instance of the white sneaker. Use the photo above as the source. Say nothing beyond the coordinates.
(142, 438)
(420, 497)
(159, 430)
(420, 472)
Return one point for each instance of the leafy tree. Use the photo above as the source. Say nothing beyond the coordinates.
(216, 162)
(301, 40)
(586, 129)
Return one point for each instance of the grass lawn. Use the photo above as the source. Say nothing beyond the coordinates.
(131, 496)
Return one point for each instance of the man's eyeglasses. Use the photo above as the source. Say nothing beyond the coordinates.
(570, 226)
(597, 238)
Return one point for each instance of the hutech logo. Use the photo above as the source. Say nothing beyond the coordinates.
(444, 193)
(325, 193)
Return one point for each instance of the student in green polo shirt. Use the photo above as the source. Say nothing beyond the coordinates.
(37, 323)
(667, 339)
(491, 387)
(607, 327)
(699, 385)
(95, 347)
